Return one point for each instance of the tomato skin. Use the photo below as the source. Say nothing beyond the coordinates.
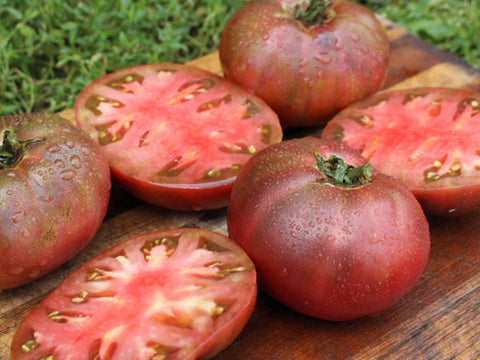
(325, 251)
(177, 293)
(305, 73)
(175, 135)
(183, 197)
(425, 137)
(53, 201)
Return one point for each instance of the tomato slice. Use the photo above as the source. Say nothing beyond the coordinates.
(173, 294)
(428, 138)
(175, 135)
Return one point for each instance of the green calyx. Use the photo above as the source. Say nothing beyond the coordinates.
(341, 174)
(317, 12)
(13, 150)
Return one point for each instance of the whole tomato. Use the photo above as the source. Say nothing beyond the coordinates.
(330, 236)
(54, 194)
(306, 59)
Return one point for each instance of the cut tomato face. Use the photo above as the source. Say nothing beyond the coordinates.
(428, 138)
(173, 294)
(175, 135)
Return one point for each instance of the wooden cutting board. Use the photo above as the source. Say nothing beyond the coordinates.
(438, 319)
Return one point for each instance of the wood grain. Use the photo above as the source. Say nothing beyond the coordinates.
(438, 319)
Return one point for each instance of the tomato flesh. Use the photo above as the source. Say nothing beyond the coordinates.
(175, 135)
(173, 294)
(428, 138)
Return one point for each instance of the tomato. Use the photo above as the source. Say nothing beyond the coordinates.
(175, 135)
(428, 138)
(170, 294)
(332, 249)
(54, 194)
(306, 59)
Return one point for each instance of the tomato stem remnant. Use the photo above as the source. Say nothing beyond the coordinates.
(343, 174)
(316, 12)
(13, 150)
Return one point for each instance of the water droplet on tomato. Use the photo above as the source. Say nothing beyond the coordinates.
(70, 144)
(17, 270)
(10, 192)
(59, 163)
(330, 238)
(18, 216)
(303, 62)
(45, 197)
(338, 45)
(68, 174)
(34, 273)
(76, 161)
(323, 58)
(54, 148)
(355, 36)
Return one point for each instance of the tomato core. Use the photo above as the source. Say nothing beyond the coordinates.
(342, 174)
(13, 150)
(317, 12)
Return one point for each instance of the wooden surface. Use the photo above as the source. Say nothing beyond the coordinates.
(438, 319)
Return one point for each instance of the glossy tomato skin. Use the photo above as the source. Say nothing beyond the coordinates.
(425, 137)
(305, 73)
(326, 251)
(169, 294)
(53, 200)
(175, 135)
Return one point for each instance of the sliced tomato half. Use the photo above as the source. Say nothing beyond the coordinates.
(175, 135)
(428, 138)
(173, 294)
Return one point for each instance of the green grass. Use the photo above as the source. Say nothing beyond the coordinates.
(51, 49)
(452, 25)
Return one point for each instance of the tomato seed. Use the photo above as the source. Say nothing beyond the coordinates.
(159, 357)
(81, 298)
(252, 150)
(365, 121)
(49, 357)
(57, 317)
(29, 345)
(97, 275)
(210, 246)
(213, 173)
(170, 243)
(252, 109)
(218, 310)
(431, 176)
(455, 170)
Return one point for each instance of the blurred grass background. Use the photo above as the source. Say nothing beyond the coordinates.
(51, 49)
